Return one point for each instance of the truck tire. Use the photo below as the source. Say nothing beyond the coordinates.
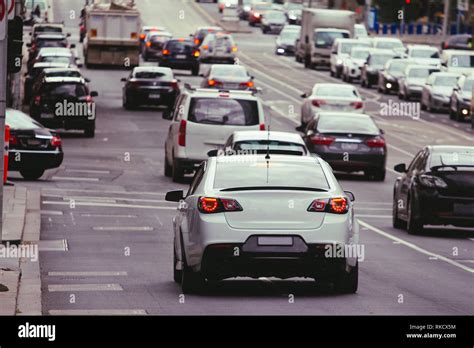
(347, 282)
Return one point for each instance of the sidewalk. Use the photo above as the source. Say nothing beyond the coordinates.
(20, 283)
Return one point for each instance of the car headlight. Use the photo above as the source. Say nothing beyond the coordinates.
(388, 85)
(281, 50)
(247, 8)
(432, 181)
(339, 62)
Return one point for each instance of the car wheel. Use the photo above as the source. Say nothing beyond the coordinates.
(32, 174)
(414, 225)
(168, 168)
(379, 174)
(89, 131)
(331, 73)
(177, 172)
(347, 282)
(177, 276)
(396, 221)
(191, 282)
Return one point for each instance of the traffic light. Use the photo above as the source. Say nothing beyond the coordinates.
(407, 2)
(15, 45)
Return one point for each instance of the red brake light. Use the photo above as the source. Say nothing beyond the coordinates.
(174, 84)
(376, 142)
(211, 83)
(142, 36)
(249, 84)
(262, 126)
(13, 140)
(56, 141)
(322, 140)
(210, 205)
(166, 52)
(205, 47)
(333, 205)
(196, 53)
(148, 44)
(181, 39)
(197, 42)
(89, 99)
(37, 100)
(318, 103)
(357, 105)
(182, 133)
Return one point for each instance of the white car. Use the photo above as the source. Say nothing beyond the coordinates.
(389, 43)
(458, 61)
(277, 216)
(413, 80)
(352, 64)
(360, 31)
(341, 49)
(424, 55)
(330, 97)
(202, 120)
(436, 93)
(257, 142)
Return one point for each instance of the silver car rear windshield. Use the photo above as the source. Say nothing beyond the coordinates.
(262, 145)
(347, 124)
(223, 111)
(254, 173)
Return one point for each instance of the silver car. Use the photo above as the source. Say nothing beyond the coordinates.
(243, 217)
(352, 64)
(437, 91)
(218, 48)
(411, 83)
(330, 97)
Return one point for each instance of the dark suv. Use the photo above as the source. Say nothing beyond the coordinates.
(180, 54)
(65, 102)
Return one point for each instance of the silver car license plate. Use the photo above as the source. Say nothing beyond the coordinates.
(180, 56)
(154, 96)
(349, 146)
(275, 241)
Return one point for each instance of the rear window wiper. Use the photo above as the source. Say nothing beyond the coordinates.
(275, 188)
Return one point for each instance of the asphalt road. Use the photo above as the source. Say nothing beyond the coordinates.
(104, 209)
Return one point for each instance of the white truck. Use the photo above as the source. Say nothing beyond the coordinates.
(111, 35)
(319, 29)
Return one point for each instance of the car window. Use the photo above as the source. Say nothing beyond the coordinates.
(359, 54)
(51, 43)
(56, 59)
(46, 29)
(325, 39)
(18, 120)
(63, 73)
(347, 124)
(467, 86)
(420, 73)
(388, 44)
(424, 54)
(396, 66)
(179, 46)
(459, 158)
(331, 91)
(179, 107)
(64, 90)
(153, 74)
(415, 164)
(229, 71)
(462, 61)
(446, 81)
(196, 180)
(379, 59)
(346, 47)
(263, 145)
(257, 174)
(235, 112)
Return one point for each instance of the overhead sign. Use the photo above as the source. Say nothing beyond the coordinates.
(11, 9)
(3, 19)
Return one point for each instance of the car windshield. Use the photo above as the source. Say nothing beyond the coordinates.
(51, 43)
(380, 59)
(229, 71)
(331, 91)
(467, 88)
(56, 59)
(153, 74)
(159, 37)
(463, 157)
(462, 61)
(448, 81)
(180, 46)
(220, 111)
(360, 31)
(325, 39)
(424, 54)
(263, 145)
(388, 45)
(64, 90)
(290, 35)
(18, 120)
(358, 54)
(295, 6)
(63, 73)
(346, 47)
(396, 66)
(262, 7)
(276, 16)
(420, 73)
(347, 124)
(31, 4)
(45, 29)
(257, 174)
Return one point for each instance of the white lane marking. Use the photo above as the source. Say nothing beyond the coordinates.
(84, 171)
(376, 203)
(62, 178)
(87, 274)
(95, 204)
(85, 199)
(396, 148)
(53, 245)
(373, 216)
(105, 192)
(370, 208)
(415, 247)
(471, 239)
(84, 287)
(112, 199)
(124, 228)
(104, 312)
(159, 220)
(51, 212)
(109, 216)
(279, 112)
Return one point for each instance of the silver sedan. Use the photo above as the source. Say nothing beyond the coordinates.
(437, 91)
(265, 216)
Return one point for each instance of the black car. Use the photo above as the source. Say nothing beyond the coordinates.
(32, 77)
(150, 86)
(458, 42)
(202, 32)
(180, 54)
(33, 148)
(437, 188)
(349, 143)
(47, 40)
(460, 100)
(388, 77)
(273, 22)
(65, 102)
(228, 77)
(369, 74)
(285, 42)
(154, 44)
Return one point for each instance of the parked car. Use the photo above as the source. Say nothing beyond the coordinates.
(202, 120)
(437, 188)
(180, 54)
(33, 149)
(437, 91)
(460, 100)
(349, 143)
